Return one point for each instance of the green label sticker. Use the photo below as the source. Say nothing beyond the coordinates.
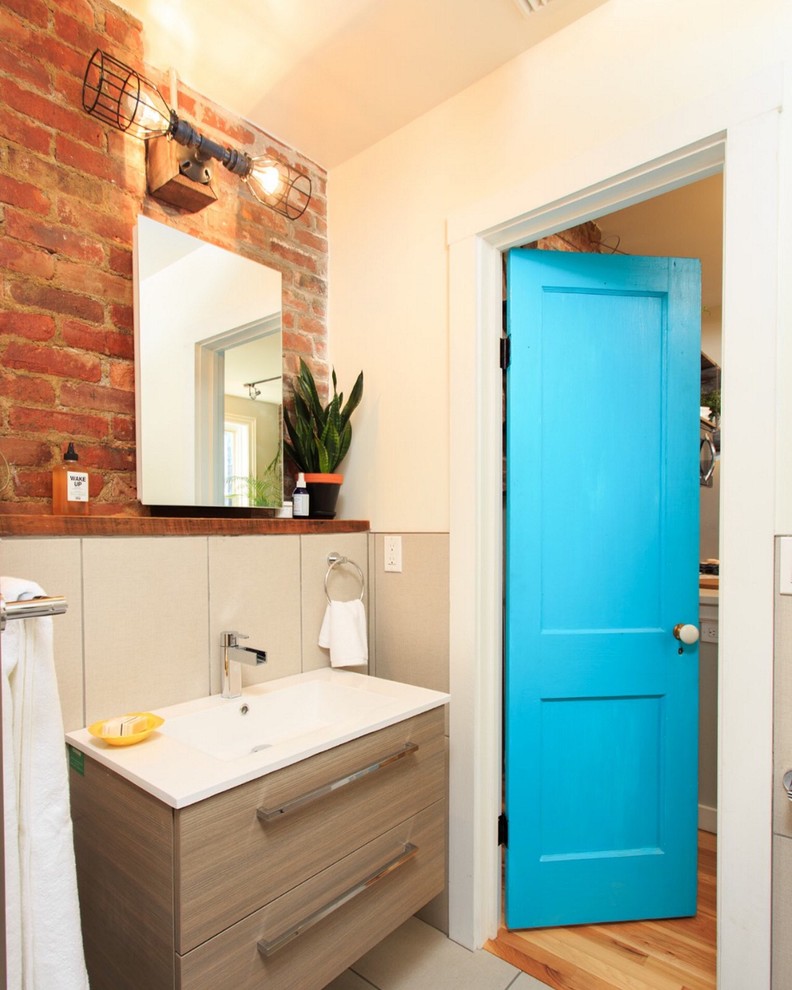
(77, 760)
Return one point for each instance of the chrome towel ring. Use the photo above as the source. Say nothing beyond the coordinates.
(334, 560)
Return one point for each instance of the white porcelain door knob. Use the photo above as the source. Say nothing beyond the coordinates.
(686, 633)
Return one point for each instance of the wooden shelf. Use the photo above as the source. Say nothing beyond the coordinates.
(41, 525)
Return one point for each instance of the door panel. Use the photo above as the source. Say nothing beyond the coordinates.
(602, 563)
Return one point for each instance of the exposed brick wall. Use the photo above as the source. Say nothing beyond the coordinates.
(71, 189)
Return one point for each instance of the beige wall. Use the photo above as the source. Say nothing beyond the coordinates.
(626, 64)
(782, 806)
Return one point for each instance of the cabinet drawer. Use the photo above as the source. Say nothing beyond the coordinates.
(233, 862)
(322, 951)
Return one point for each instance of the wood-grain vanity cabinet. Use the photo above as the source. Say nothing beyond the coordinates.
(257, 886)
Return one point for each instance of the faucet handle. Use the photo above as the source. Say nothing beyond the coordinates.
(230, 638)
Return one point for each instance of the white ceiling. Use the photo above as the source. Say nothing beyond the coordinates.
(331, 77)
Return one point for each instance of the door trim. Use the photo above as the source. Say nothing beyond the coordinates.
(741, 128)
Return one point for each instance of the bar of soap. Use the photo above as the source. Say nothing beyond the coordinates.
(124, 725)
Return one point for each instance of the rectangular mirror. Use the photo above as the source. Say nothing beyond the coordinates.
(208, 364)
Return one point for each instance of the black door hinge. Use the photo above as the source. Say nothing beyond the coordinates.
(503, 830)
(505, 352)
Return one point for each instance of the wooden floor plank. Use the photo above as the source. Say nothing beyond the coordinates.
(673, 954)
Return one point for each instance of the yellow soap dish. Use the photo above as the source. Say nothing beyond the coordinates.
(125, 730)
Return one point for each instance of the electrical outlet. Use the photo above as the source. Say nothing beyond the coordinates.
(709, 630)
(393, 554)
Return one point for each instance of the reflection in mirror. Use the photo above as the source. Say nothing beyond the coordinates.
(208, 360)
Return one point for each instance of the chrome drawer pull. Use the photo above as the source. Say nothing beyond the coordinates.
(268, 814)
(268, 948)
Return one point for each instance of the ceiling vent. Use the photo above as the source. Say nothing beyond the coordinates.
(529, 7)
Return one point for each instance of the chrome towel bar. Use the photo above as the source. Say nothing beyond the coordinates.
(31, 608)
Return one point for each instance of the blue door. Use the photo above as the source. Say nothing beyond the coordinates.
(601, 716)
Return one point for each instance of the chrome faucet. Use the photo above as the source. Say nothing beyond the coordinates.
(234, 656)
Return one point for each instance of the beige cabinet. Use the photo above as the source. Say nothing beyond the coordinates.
(281, 882)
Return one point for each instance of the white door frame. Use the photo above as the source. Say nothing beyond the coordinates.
(739, 133)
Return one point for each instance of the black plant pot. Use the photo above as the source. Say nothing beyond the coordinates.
(323, 492)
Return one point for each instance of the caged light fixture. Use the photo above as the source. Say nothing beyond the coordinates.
(121, 97)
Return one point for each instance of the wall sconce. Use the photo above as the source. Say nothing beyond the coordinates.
(254, 392)
(121, 97)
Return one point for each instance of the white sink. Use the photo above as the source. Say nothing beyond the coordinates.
(211, 744)
(240, 726)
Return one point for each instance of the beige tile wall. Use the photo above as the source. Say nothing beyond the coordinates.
(410, 619)
(145, 614)
(409, 630)
(782, 807)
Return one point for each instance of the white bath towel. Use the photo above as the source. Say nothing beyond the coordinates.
(43, 935)
(344, 633)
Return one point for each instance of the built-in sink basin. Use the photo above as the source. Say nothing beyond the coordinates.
(211, 744)
(237, 727)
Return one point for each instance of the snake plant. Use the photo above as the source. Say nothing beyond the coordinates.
(319, 436)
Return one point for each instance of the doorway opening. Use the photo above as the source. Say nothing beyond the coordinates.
(686, 222)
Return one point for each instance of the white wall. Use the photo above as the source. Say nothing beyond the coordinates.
(632, 83)
(625, 64)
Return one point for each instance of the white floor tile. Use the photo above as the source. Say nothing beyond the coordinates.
(523, 982)
(418, 957)
(349, 981)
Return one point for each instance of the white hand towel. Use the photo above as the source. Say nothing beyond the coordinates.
(344, 633)
(43, 935)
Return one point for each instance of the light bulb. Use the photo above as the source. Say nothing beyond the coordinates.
(267, 175)
(279, 186)
(145, 117)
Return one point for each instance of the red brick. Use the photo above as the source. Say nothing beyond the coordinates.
(100, 340)
(109, 458)
(57, 239)
(24, 195)
(125, 31)
(15, 127)
(73, 31)
(97, 397)
(16, 63)
(122, 317)
(235, 132)
(104, 285)
(51, 361)
(34, 11)
(312, 327)
(293, 255)
(26, 260)
(25, 452)
(120, 261)
(310, 283)
(310, 240)
(297, 343)
(123, 428)
(33, 484)
(27, 419)
(80, 156)
(33, 326)
(122, 375)
(294, 302)
(26, 387)
(55, 300)
(80, 9)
